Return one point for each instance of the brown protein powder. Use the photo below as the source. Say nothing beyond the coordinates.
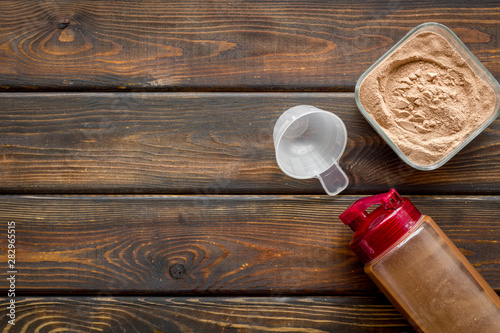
(426, 98)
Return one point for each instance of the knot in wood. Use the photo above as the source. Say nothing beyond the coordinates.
(177, 271)
(63, 24)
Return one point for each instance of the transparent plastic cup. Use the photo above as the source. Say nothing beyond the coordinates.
(309, 143)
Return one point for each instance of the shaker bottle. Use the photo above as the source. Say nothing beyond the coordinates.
(419, 269)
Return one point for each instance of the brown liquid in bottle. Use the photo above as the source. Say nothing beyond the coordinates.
(431, 283)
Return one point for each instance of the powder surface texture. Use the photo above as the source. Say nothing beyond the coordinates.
(426, 98)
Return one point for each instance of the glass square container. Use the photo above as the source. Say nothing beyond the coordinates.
(465, 54)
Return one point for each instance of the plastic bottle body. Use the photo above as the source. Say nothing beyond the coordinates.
(433, 285)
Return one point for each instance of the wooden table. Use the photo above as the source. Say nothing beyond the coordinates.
(137, 162)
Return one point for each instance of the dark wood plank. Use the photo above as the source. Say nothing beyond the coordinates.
(203, 143)
(206, 314)
(214, 245)
(222, 45)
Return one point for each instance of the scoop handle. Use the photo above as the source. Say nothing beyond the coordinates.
(334, 180)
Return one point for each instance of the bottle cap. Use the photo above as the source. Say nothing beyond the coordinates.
(376, 232)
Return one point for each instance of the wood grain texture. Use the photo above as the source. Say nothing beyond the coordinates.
(215, 245)
(204, 315)
(203, 143)
(219, 45)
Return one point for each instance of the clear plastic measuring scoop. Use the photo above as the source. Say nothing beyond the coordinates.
(309, 143)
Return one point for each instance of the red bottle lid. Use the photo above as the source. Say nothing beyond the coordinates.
(376, 232)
